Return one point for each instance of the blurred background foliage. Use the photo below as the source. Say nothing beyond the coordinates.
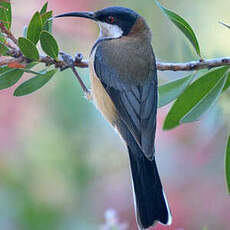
(62, 166)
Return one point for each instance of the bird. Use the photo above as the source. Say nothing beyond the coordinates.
(124, 88)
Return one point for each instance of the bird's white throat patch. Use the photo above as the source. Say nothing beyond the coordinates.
(109, 31)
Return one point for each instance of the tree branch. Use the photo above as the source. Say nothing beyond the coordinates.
(194, 65)
(17, 56)
(186, 66)
(161, 66)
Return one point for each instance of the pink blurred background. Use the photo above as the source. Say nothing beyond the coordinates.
(62, 166)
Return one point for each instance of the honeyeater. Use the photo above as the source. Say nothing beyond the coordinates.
(124, 88)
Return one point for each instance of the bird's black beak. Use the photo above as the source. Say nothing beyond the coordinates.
(89, 15)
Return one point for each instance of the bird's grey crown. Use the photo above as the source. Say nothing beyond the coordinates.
(125, 18)
(116, 10)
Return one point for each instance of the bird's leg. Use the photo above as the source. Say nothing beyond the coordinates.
(70, 64)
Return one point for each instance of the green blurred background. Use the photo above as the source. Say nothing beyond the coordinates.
(62, 166)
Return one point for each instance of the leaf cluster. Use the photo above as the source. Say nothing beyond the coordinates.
(195, 94)
(38, 30)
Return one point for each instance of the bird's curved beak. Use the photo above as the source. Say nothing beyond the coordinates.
(89, 15)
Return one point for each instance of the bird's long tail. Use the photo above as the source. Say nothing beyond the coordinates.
(150, 200)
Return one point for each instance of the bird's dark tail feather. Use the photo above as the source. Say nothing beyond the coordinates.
(150, 200)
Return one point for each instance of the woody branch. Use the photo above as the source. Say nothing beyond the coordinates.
(17, 56)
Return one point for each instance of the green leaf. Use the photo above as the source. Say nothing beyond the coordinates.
(9, 78)
(31, 71)
(34, 83)
(227, 84)
(195, 94)
(1, 35)
(28, 49)
(5, 13)
(49, 44)
(206, 102)
(227, 165)
(182, 25)
(4, 69)
(171, 90)
(44, 8)
(47, 24)
(34, 28)
(2, 38)
(46, 16)
(3, 49)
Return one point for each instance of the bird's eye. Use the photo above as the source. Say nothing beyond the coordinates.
(110, 19)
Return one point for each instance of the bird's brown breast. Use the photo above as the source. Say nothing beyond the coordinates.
(100, 97)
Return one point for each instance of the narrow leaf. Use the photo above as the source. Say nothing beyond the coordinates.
(46, 16)
(5, 13)
(44, 8)
(4, 69)
(34, 28)
(182, 25)
(28, 67)
(227, 165)
(47, 24)
(31, 71)
(192, 96)
(49, 44)
(34, 83)
(227, 84)
(9, 78)
(171, 90)
(206, 102)
(3, 49)
(28, 49)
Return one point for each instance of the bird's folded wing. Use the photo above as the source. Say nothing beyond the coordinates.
(136, 104)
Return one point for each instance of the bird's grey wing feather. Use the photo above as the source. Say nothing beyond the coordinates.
(136, 103)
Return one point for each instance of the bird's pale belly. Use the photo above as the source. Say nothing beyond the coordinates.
(100, 96)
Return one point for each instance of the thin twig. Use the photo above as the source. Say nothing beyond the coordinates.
(8, 33)
(194, 65)
(84, 88)
(70, 62)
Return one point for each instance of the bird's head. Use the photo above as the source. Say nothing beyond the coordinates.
(114, 22)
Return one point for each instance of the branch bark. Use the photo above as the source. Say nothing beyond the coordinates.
(161, 66)
(186, 66)
(17, 56)
(194, 65)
